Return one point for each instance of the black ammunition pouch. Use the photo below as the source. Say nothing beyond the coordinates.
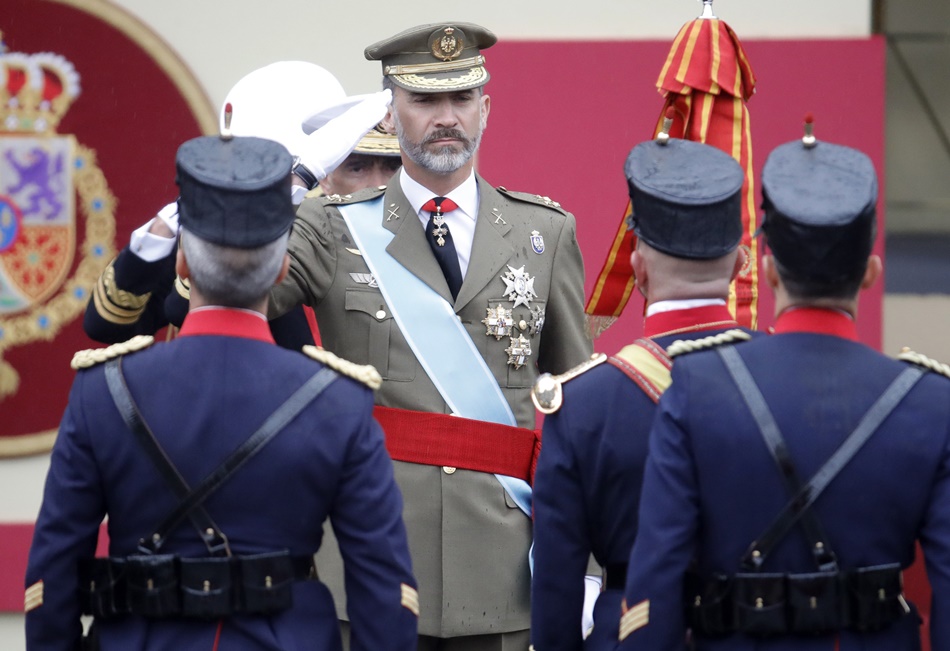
(709, 604)
(876, 597)
(758, 604)
(165, 585)
(152, 585)
(102, 587)
(207, 587)
(266, 583)
(763, 605)
(816, 603)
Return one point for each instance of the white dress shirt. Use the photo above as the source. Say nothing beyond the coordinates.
(461, 222)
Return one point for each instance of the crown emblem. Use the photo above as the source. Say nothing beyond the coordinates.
(36, 90)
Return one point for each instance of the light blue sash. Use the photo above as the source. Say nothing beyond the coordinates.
(451, 360)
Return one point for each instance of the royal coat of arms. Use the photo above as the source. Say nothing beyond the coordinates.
(48, 265)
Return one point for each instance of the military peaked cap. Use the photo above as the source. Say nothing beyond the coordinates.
(435, 58)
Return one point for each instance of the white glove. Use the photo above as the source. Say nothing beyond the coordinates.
(151, 247)
(591, 592)
(329, 145)
(169, 215)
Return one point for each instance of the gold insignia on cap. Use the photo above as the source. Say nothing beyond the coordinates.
(446, 45)
(634, 619)
(33, 598)
(410, 599)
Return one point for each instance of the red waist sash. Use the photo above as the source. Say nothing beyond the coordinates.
(451, 441)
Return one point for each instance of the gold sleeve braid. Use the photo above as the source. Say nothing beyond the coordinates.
(117, 305)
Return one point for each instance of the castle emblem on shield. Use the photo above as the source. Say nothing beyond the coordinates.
(49, 258)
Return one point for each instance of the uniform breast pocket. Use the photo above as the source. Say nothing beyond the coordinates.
(514, 339)
(372, 336)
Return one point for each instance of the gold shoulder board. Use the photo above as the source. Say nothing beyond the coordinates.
(316, 192)
(683, 346)
(366, 194)
(93, 356)
(907, 355)
(532, 198)
(367, 374)
(547, 395)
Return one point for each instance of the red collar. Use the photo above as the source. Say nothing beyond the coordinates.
(674, 322)
(226, 322)
(816, 320)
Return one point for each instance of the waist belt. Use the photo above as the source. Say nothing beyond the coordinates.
(615, 576)
(762, 604)
(165, 585)
(442, 440)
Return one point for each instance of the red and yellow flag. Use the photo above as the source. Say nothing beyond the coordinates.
(707, 79)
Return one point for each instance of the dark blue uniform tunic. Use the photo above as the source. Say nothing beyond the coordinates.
(587, 486)
(203, 394)
(711, 487)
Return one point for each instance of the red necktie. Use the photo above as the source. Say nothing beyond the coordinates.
(440, 240)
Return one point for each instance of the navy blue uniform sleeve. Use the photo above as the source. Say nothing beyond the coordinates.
(561, 541)
(669, 524)
(382, 601)
(129, 298)
(66, 531)
(935, 542)
(291, 330)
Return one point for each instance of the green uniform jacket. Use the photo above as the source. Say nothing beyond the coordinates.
(468, 540)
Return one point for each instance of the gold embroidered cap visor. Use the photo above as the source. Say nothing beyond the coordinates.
(376, 143)
(435, 58)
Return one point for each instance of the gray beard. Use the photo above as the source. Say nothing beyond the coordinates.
(443, 161)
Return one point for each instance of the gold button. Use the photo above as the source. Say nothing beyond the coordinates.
(523, 324)
(448, 470)
(381, 315)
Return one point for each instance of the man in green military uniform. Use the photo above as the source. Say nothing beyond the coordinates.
(460, 294)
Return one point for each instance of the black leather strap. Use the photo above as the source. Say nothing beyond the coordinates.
(210, 533)
(801, 503)
(254, 444)
(817, 540)
(305, 174)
